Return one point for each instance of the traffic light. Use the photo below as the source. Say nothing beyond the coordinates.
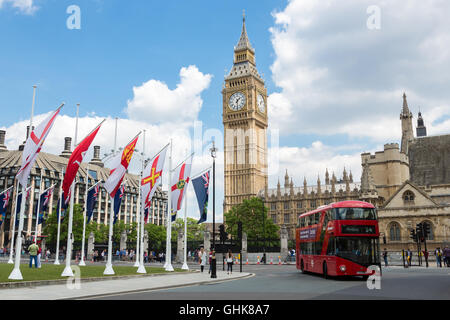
(413, 235)
(240, 230)
(223, 234)
(426, 229)
(419, 231)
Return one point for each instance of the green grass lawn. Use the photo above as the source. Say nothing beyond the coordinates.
(53, 272)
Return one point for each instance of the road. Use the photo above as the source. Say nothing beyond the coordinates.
(285, 282)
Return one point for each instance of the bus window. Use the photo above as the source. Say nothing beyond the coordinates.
(355, 214)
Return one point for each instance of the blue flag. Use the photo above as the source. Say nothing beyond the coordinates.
(64, 206)
(19, 203)
(44, 201)
(4, 200)
(91, 200)
(201, 186)
(118, 201)
(174, 216)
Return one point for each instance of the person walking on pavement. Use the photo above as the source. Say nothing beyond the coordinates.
(229, 262)
(438, 255)
(33, 250)
(39, 257)
(409, 255)
(203, 258)
(385, 257)
(446, 255)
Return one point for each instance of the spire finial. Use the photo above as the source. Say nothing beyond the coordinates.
(243, 15)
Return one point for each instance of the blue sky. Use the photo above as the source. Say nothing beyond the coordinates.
(121, 45)
(335, 84)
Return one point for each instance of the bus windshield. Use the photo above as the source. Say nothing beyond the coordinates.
(355, 214)
(362, 250)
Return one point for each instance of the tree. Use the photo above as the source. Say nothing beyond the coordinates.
(195, 231)
(51, 225)
(250, 213)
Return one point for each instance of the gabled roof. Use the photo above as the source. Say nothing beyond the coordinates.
(408, 185)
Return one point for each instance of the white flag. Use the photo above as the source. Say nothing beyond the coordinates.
(152, 173)
(33, 147)
(180, 180)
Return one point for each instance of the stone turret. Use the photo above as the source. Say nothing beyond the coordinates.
(421, 130)
(305, 185)
(327, 177)
(407, 128)
(286, 180)
(319, 191)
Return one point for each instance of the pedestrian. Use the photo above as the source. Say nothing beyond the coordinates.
(209, 261)
(229, 262)
(446, 255)
(438, 255)
(385, 257)
(409, 256)
(202, 257)
(39, 257)
(103, 255)
(33, 250)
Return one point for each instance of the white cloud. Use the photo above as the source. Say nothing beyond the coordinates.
(312, 161)
(335, 76)
(154, 102)
(24, 6)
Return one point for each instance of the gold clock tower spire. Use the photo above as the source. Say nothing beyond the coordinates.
(245, 126)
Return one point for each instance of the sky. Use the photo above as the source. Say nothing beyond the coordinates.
(335, 71)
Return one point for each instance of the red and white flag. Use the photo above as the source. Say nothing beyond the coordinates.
(33, 146)
(180, 180)
(120, 165)
(76, 159)
(152, 173)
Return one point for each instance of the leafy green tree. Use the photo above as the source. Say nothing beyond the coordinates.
(195, 231)
(51, 225)
(250, 212)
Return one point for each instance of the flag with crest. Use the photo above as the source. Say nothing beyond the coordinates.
(120, 164)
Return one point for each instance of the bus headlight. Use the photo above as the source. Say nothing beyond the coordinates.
(343, 268)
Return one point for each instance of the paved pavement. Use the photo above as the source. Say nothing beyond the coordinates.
(74, 290)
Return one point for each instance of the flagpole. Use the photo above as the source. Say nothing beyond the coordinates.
(16, 274)
(38, 207)
(32, 111)
(109, 269)
(141, 268)
(68, 270)
(59, 219)
(11, 246)
(185, 266)
(82, 263)
(169, 214)
(138, 216)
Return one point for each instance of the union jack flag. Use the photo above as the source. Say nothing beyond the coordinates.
(201, 187)
(4, 200)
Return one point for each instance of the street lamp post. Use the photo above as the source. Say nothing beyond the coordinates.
(213, 260)
(264, 231)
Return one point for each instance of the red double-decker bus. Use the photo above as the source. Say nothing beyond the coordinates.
(339, 239)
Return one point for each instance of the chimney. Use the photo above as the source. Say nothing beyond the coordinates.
(23, 143)
(2, 140)
(96, 159)
(67, 147)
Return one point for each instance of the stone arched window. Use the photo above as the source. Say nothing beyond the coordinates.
(394, 232)
(408, 197)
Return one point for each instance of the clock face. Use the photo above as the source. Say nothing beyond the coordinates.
(261, 103)
(237, 101)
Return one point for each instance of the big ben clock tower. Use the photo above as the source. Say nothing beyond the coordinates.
(245, 126)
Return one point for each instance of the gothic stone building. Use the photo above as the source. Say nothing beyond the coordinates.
(52, 167)
(408, 185)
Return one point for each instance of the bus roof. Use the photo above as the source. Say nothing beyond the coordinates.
(341, 204)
